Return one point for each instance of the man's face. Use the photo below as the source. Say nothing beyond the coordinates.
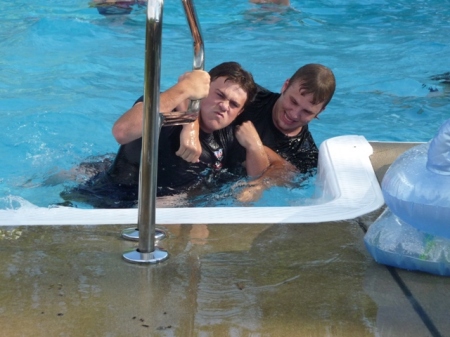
(223, 104)
(294, 109)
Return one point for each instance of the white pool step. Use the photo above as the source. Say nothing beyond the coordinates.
(345, 175)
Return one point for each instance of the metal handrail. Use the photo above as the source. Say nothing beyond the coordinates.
(199, 52)
(147, 252)
(184, 117)
(152, 122)
(150, 137)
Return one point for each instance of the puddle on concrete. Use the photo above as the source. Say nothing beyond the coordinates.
(221, 280)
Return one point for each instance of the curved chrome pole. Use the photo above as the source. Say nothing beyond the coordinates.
(199, 52)
(177, 117)
(147, 252)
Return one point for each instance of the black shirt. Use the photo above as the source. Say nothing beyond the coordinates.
(175, 175)
(118, 187)
(299, 150)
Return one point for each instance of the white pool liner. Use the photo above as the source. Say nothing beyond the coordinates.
(346, 179)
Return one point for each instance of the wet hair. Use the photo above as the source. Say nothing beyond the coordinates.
(315, 79)
(233, 71)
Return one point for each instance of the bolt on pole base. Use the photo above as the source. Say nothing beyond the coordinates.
(154, 257)
(132, 234)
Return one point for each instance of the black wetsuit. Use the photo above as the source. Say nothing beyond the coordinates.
(118, 187)
(299, 150)
(175, 175)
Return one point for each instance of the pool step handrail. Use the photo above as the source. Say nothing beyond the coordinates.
(184, 117)
(147, 252)
(199, 51)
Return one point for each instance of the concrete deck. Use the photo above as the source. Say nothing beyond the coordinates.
(220, 280)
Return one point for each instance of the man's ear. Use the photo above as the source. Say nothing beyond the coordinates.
(285, 85)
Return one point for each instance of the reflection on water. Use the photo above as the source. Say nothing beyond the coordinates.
(277, 280)
(293, 279)
(10, 234)
(227, 193)
(286, 280)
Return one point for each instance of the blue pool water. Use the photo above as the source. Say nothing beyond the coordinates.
(67, 72)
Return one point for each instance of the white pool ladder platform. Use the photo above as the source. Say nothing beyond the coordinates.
(345, 176)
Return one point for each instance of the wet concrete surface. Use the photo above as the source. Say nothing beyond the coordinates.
(219, 280)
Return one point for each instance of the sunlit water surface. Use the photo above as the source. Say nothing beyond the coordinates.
(68, 72)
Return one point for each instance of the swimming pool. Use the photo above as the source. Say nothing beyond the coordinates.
(67, 72)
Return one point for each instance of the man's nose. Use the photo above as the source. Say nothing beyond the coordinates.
(224, 105)
(296, 113)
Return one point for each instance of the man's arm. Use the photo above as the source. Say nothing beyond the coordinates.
(190, 146)
(192, 85)
(256, 158)
(279, 173)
